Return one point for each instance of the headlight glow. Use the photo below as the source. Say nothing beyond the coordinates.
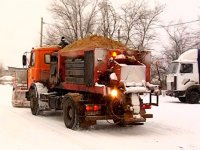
(114, 54)
(114, 93)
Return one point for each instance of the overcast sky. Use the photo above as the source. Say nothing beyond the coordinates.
(20, 23)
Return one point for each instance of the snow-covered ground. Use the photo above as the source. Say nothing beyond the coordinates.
(175, 126)
(6, 79)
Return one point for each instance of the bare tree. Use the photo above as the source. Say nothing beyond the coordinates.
(180, 40)
(196, 34)
(159, 68)
(137, 23)
(108, 19)
(77, 19)
(144, 29)
(53, 35)
(73, 19)
(129, 19)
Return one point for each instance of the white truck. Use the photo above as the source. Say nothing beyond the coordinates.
(183, 80)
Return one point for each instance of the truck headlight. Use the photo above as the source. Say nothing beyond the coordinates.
(114, 93)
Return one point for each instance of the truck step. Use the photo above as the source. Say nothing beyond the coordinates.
(147, 115)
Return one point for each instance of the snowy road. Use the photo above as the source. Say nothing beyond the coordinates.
(175, 126)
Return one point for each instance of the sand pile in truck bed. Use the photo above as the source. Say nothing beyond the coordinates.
(93, 42)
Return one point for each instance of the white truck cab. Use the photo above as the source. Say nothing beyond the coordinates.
(183, 77)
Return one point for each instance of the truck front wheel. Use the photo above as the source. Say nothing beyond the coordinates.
(70, 113)
(192, 97)
(34, 104)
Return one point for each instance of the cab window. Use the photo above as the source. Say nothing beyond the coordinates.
(47, 58)
(186, 68)
(32, 61)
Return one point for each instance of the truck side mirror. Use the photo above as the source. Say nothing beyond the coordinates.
(24, 60)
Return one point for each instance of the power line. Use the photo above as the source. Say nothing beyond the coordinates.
(158, 26)
(171, 25)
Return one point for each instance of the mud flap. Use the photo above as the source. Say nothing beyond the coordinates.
(147, 115)
(129, 118)
(157, 99)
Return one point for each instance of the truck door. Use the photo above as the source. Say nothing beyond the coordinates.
(31, 69)
(187, 76)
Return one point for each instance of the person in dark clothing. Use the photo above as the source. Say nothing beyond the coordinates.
(63, 43)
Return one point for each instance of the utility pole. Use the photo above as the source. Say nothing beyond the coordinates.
(118, 34)
(41, 31)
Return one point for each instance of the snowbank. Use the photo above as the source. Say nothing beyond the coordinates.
(6, 78)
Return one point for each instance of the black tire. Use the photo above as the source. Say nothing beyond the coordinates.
(119, 122)
(34, 104)
(70, 113)
(192, 97)
(182, 99)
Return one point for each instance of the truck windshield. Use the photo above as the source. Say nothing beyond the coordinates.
(32, 61)
(173, 68)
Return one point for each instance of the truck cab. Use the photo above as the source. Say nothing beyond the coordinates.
(39, 65)
(183, 77)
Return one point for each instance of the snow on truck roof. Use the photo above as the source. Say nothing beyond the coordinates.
(190, 55)
(93, 42)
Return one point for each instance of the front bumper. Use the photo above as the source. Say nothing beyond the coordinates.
(21, 103)
(175, 93)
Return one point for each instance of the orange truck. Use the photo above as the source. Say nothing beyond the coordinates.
(91, 83)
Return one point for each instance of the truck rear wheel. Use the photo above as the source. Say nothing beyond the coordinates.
(34, 104)
(182, 99)
(70, 113)
(192, 97)
(119, 122)
(118, 112)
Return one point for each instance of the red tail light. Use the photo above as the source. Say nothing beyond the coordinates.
(96, 107)
(93, 107)
(89, 108)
